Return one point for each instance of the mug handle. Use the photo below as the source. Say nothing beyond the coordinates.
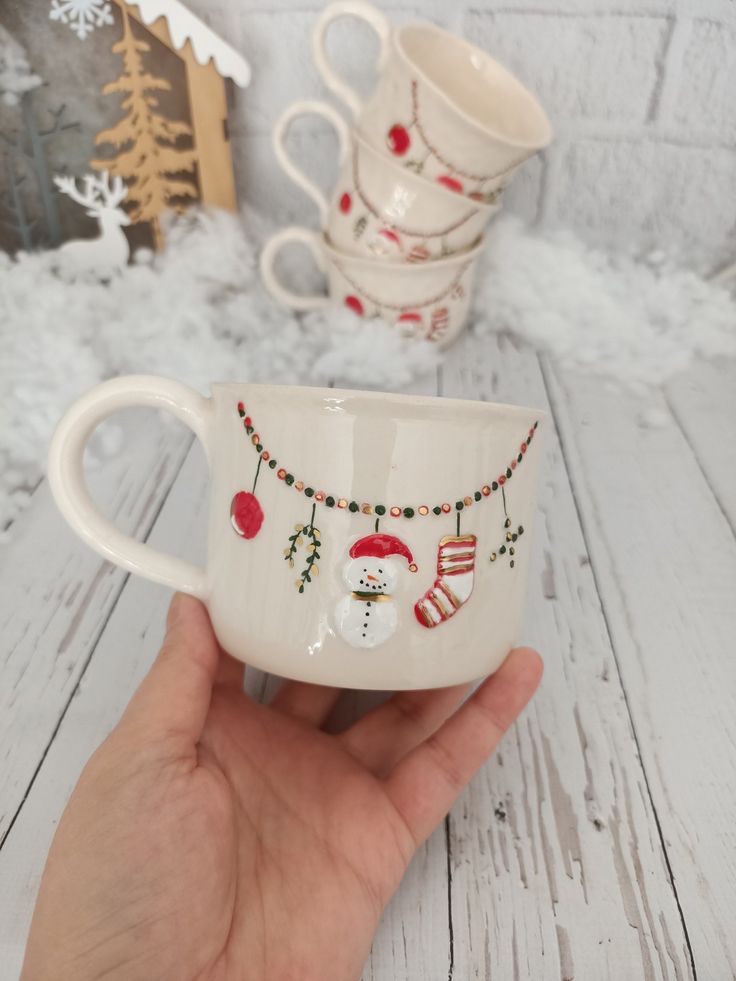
(271, 249)
(68, 486)
(347, 8)
(309, 107)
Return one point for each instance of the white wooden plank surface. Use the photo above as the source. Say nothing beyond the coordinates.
(557, 867)
(55, 598)
(703, 402)
(413, 937)
(665, 565)
(557, 859)
(123, 653)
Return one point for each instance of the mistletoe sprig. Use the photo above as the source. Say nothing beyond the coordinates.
(313, 554)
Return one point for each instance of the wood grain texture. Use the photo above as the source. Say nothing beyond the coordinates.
(131, 638)
(598, 843)
(665, 565)
(413, 938)
(703, 401)
(558, 871)
(56, 596)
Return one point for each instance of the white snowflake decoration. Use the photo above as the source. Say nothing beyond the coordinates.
(82, 16)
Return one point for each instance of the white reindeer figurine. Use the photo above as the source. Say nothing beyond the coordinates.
(107, 254)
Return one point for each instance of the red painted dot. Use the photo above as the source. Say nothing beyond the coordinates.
(241, 408)
(513, 464)
(523, 447)
(446, 508)
(485, 490)
(281, 473)
(346, 203)
(387, 233)
(247, 421)
(395, 512)
(354, 304)
(451, 183)
(502, 480)
(265, 455)
(398, 139)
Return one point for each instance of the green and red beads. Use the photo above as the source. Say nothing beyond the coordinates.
(394, 511)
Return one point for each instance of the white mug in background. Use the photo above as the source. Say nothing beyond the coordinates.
(428, 301)
(357, 539)
(441, 107)
(378, 208)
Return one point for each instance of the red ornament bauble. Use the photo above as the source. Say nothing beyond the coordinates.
(346, 203)
(398, 139)
(354, 304)
(451, 183)
(246, 514)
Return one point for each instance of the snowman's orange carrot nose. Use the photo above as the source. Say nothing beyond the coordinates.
(373, 578)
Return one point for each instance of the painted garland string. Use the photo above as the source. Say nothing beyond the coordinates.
(396, 511)
(366, 616)
(399, 143)
(393, 226)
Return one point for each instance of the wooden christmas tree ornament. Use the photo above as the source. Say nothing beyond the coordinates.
(169, 162)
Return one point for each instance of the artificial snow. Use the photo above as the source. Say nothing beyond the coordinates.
(637, 321)
(199, 313)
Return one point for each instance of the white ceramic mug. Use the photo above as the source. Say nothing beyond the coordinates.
(379, 209)
(441, 107)
(357, 539)
(428, 301)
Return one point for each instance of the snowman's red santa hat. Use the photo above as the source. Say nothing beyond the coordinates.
(379, 546)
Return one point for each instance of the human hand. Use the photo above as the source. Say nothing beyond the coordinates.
(211, 837)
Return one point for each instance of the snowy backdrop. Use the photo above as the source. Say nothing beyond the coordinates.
(603, 257)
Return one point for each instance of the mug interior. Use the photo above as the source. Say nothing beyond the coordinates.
(476, 85)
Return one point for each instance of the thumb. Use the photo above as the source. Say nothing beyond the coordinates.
(174, 697)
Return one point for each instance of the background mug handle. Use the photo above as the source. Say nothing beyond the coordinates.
(68, 486)
(309, 107)
(313, 242)
(347, 8)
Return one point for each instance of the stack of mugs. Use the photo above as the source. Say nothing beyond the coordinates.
(421, 174)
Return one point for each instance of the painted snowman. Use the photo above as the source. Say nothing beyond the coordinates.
(367, 616)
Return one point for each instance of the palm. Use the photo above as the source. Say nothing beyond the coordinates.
(260, 846)
(314, 827)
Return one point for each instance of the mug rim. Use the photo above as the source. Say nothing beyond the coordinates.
(517, 84)
(434, 186)
(470, 254)
(316, 392)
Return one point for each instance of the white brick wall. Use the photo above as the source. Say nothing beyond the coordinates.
(642, 95)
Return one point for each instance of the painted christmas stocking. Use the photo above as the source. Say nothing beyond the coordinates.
(454, 582)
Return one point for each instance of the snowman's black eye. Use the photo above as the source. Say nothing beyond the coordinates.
(381, 571)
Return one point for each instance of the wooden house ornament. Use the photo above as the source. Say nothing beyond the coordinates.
(168, 163)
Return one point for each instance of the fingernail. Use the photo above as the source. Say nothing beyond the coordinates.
(174, 610)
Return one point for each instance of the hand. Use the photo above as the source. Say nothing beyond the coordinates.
(211, 837)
